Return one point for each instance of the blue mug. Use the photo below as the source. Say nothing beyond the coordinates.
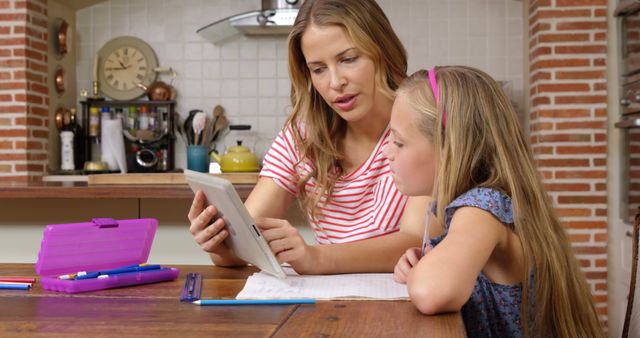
(198, 158)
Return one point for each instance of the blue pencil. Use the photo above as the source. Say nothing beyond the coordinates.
(255, 301)
(14, 286)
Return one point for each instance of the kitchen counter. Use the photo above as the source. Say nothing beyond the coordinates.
(70, 190)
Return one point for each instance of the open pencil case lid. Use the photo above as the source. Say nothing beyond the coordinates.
(101, 244)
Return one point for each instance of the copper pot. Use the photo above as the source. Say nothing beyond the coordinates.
(159, 91)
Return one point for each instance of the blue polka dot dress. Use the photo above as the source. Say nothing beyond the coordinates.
(493, 309)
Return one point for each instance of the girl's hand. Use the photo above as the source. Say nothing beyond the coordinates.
(209, 236)
(406, 263)
(287, 244)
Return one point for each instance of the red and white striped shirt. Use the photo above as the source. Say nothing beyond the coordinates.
(365, 202)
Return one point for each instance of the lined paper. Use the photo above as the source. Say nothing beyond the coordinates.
(373, 286)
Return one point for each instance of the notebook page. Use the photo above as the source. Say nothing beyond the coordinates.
(374, 286)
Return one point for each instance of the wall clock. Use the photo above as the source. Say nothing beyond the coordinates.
(122, 65)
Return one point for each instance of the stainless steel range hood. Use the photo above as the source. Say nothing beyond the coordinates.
(276, 17)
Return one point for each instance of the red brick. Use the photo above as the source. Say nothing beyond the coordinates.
(12, 63)
(600, 62)
(581, 125)
(540, 101)
(542, 150)
(13, 109)
(30, 167)
(560, 13)
(17, 178)
(599, 13)
(581, 150)
(39, 111)
(581, 25)
(583, 174)
(565, 37)
(562, 162)
(13, 42)
(539, 27)
(577, 99)
(13, 157)
(574, 137)
(602, 238)
(583, 199)
(541, 126)
(557, 63)
(40, 134)
(562, 87)
(600, 36)
(539, 52)
(581, 3)
(601, 287)
(31, 145)
(537, 76)
(595, 274)
(581, 75)
(565, 113)
(19, 17)
(573, 212)
(596, 49)
(599, 86)
(585, 225)
(31, 121)
(567, 187)
(583, 263)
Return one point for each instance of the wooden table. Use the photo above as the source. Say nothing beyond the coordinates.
(24, 190)
(155, 310)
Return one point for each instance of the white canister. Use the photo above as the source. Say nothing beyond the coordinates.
(66, 150)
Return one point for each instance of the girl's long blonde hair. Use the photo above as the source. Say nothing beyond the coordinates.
(367, 26)
(482, 144)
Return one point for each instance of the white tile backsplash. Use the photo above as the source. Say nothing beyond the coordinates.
(249, 76)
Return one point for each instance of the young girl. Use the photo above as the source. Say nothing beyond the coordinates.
(345, 62)
(503, 258)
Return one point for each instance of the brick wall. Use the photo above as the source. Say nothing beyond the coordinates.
(568, 122)
(24, 95)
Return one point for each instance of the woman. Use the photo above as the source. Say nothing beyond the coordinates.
(345, 63)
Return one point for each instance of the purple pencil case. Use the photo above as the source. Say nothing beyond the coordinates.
(101, 244)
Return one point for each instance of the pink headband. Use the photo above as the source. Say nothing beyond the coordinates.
(434, 88)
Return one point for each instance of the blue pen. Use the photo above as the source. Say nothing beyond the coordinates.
(14, 286)
(126, 269)
(255, 301)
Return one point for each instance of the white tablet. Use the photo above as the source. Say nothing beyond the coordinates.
(244, 237)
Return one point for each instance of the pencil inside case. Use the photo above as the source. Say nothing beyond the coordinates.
(53, 283)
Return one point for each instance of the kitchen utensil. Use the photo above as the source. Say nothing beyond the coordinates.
(199, 122)
(59, 79)
(63, 39)
(59, 116)
(188, 125)
(237, 159)
(158, 91)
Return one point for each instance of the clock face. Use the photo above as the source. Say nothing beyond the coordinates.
(125, 68)
(125, 63)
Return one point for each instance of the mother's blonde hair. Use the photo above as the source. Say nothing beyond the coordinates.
(369, 29)
(483, 145)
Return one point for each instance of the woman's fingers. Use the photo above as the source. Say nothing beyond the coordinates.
(212, 236)
(203, 219)
(196, 206)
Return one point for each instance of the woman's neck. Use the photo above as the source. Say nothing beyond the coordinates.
(371, 127)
